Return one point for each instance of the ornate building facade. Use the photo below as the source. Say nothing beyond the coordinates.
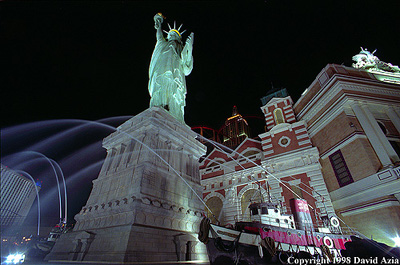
(282, 165)
(338, 147)
(353, 118)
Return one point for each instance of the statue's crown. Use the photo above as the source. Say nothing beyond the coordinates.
(175, 30)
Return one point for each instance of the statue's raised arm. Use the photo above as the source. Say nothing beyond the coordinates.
(186, 55)
(158, 20)
(170, 63)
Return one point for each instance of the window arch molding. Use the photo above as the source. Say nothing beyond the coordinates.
(252, 186)
(214, 194)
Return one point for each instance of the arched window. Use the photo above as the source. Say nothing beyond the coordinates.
(215, 204)
(250, 196)
(278, 114)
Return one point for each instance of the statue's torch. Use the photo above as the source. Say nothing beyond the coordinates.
(159, 18)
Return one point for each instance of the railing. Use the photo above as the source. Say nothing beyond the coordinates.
(345, 230)
(279, 222)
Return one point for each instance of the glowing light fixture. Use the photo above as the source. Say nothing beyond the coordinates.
(15, 258)
(396, 241)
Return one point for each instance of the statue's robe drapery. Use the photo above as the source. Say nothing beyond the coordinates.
(169, 65)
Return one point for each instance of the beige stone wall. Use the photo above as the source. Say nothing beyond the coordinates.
(329, 176)
(382, 224)
(333, 133)
(359, 155)
(360, 159)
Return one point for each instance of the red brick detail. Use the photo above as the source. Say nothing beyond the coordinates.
(270, 124)
(214, 154)
(221, 192)
(301, 126)
(221, 184)
(290, 116)
(249, 143)
(304, 138)
(212, 174)
(217, 153)
(264, 144)
(230, 182)
(293, 145)
(306, 145)
(301, 133)
(239, 188)
(305, 185)
(212, 186)
(268, 155)
(205, 194)
(247, 165)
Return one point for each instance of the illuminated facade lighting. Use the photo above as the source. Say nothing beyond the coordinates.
(235, 130)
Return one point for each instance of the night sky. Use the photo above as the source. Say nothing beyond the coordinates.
(82, 60)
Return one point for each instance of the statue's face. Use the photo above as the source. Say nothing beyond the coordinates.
(173, 36)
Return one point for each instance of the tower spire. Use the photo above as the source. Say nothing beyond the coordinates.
(234, 111)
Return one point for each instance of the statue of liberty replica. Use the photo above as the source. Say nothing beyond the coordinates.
(170, 63)
(145, 205)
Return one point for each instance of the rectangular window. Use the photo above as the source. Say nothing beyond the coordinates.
(340, 168)
(264, 210)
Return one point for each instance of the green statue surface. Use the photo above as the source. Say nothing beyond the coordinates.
(170, 63)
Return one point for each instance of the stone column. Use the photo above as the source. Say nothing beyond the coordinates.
(381, 136)
(371, 134)
(230, 205)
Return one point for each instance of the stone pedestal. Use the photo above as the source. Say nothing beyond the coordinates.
(143, 205)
